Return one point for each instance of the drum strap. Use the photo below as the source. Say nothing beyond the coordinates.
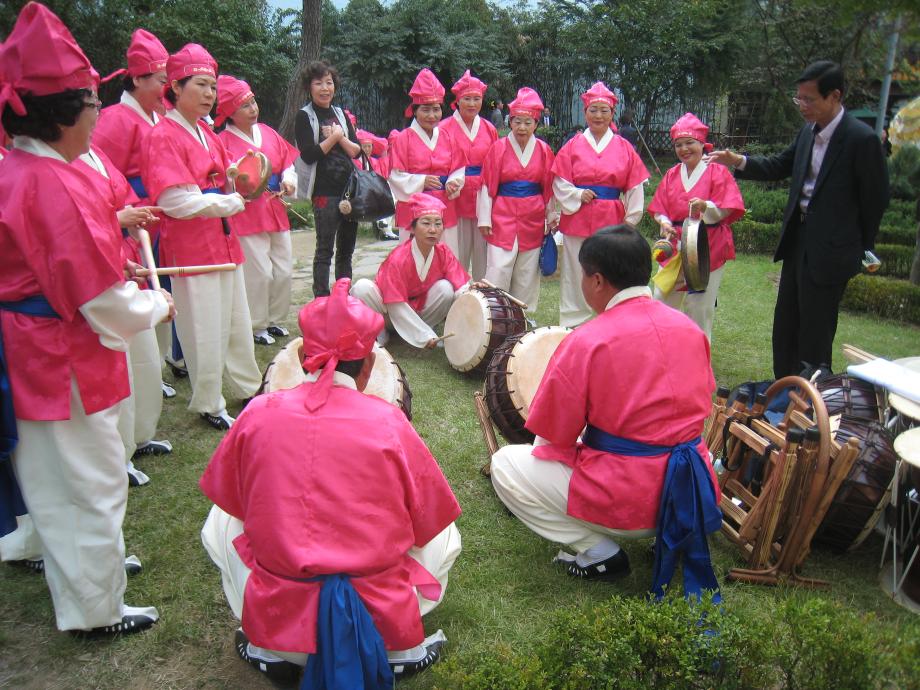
(11, 503)
(603, 191)
(687, 513)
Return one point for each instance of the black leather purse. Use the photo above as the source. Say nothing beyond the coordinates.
(367, 196)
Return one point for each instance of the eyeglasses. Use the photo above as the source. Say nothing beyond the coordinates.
(96, 103)
(803, 100)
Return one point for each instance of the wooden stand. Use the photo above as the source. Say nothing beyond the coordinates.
(488, 431)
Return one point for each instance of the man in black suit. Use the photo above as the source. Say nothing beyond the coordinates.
(838, 194)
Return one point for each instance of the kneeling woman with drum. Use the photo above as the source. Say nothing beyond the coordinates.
(417, 282)
(699, 189)
(515, 204)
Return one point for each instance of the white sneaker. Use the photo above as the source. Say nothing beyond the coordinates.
(263, 338)
(135, 476)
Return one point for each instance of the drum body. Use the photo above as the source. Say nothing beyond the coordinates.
(480, 320)
(847, 395)
(865, 492)
(513, 376)
(387, 382)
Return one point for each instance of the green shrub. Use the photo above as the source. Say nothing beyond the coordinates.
(753, 237)
(904, 234)
(884, 297)
(305, 208)
(764, 205)
(900, 212)
(632, 643)
(896, 259)
(904, 173)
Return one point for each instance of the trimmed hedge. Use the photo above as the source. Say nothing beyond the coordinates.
(904, 234)
(633, 643)
(896, 259)
(305, 208)
(881, 296)
(753, 237)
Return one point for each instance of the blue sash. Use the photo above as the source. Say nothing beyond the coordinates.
(602, 191)
(350, 653)
(223, 221)
(11, 503)
(274, 183)
(443, 179)
(138, 186)
(519, 189)
(687, 513)
(473, 170)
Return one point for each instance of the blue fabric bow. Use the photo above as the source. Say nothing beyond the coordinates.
(350, 654)
(686, 514)
(11, 503)
(519, 189)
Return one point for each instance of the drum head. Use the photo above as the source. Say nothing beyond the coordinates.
(385, 382)
(528, 362)
(694, 253)
(285, 370)
(469, 321)
(249, 175)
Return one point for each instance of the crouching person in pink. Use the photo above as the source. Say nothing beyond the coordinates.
(618, 452)
(416, 284)
(323, 493)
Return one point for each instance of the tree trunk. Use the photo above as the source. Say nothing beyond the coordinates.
(311, 42)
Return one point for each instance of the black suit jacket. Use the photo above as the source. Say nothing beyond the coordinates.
(846, 207)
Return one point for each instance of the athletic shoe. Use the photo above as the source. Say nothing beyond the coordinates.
(220, 421)
(276, 669)
(278, 331)
(134, 619)
(163, 447)
(168, 391)
(263, 338)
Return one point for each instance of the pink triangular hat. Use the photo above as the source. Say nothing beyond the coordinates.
(231, 94)
(599, 93)
(466, 85)
(191, 60)
(146, 55)
(426, 89)
(527, 103)
(335, 328)
(41, 57)
(689, 125)
(422, 204)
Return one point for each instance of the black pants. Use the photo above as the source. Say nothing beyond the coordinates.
(332, 229)
(805, 317)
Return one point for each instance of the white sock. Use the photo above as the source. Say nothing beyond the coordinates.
(604, 549)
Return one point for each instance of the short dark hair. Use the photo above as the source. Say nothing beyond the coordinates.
(620, 254)
(170, 94)
(350, 367)
(317, 70)
(829, 76)
(45, 115)
(128, 82)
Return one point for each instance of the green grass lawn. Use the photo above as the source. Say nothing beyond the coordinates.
(503, 587)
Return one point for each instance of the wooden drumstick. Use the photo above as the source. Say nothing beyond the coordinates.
(289, 206)
(184, 270)
(514, 300)
(147, 252)
(444, 337)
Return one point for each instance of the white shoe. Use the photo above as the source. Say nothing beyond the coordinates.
(168, 391)
(263, 338)
(135, 476)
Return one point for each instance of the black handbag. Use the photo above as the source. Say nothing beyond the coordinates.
(367, 196)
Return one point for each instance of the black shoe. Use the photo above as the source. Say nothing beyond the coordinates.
(387, 235)
(608, 570)
(35, 565)
(263, 338)
(133, 565)
(153, 448)
(134, 621)
(178, 368)
(404, 669)
(278, 331)
(277, 669)
(220, 421)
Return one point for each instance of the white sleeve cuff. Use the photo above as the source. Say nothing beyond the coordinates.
(123, 311)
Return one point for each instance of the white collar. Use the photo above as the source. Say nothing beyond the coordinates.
(93, 161)
(525, 155)
(422, 263)
(130, 101)
(195, 131)
(689, 181)
(825, 134)
(338, 379)
(470, 132)
(598, 146)
(629, 293)
(36, 147)
(423, 135)
(256, 139)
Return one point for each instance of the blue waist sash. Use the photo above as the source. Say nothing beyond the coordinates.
(520, 189)
(443, 179)
(138, 186)
(473, 170)
(274, 183)
(349, 649)
(602, 191)
(11, 503)
(687, 513)
(223, 221)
